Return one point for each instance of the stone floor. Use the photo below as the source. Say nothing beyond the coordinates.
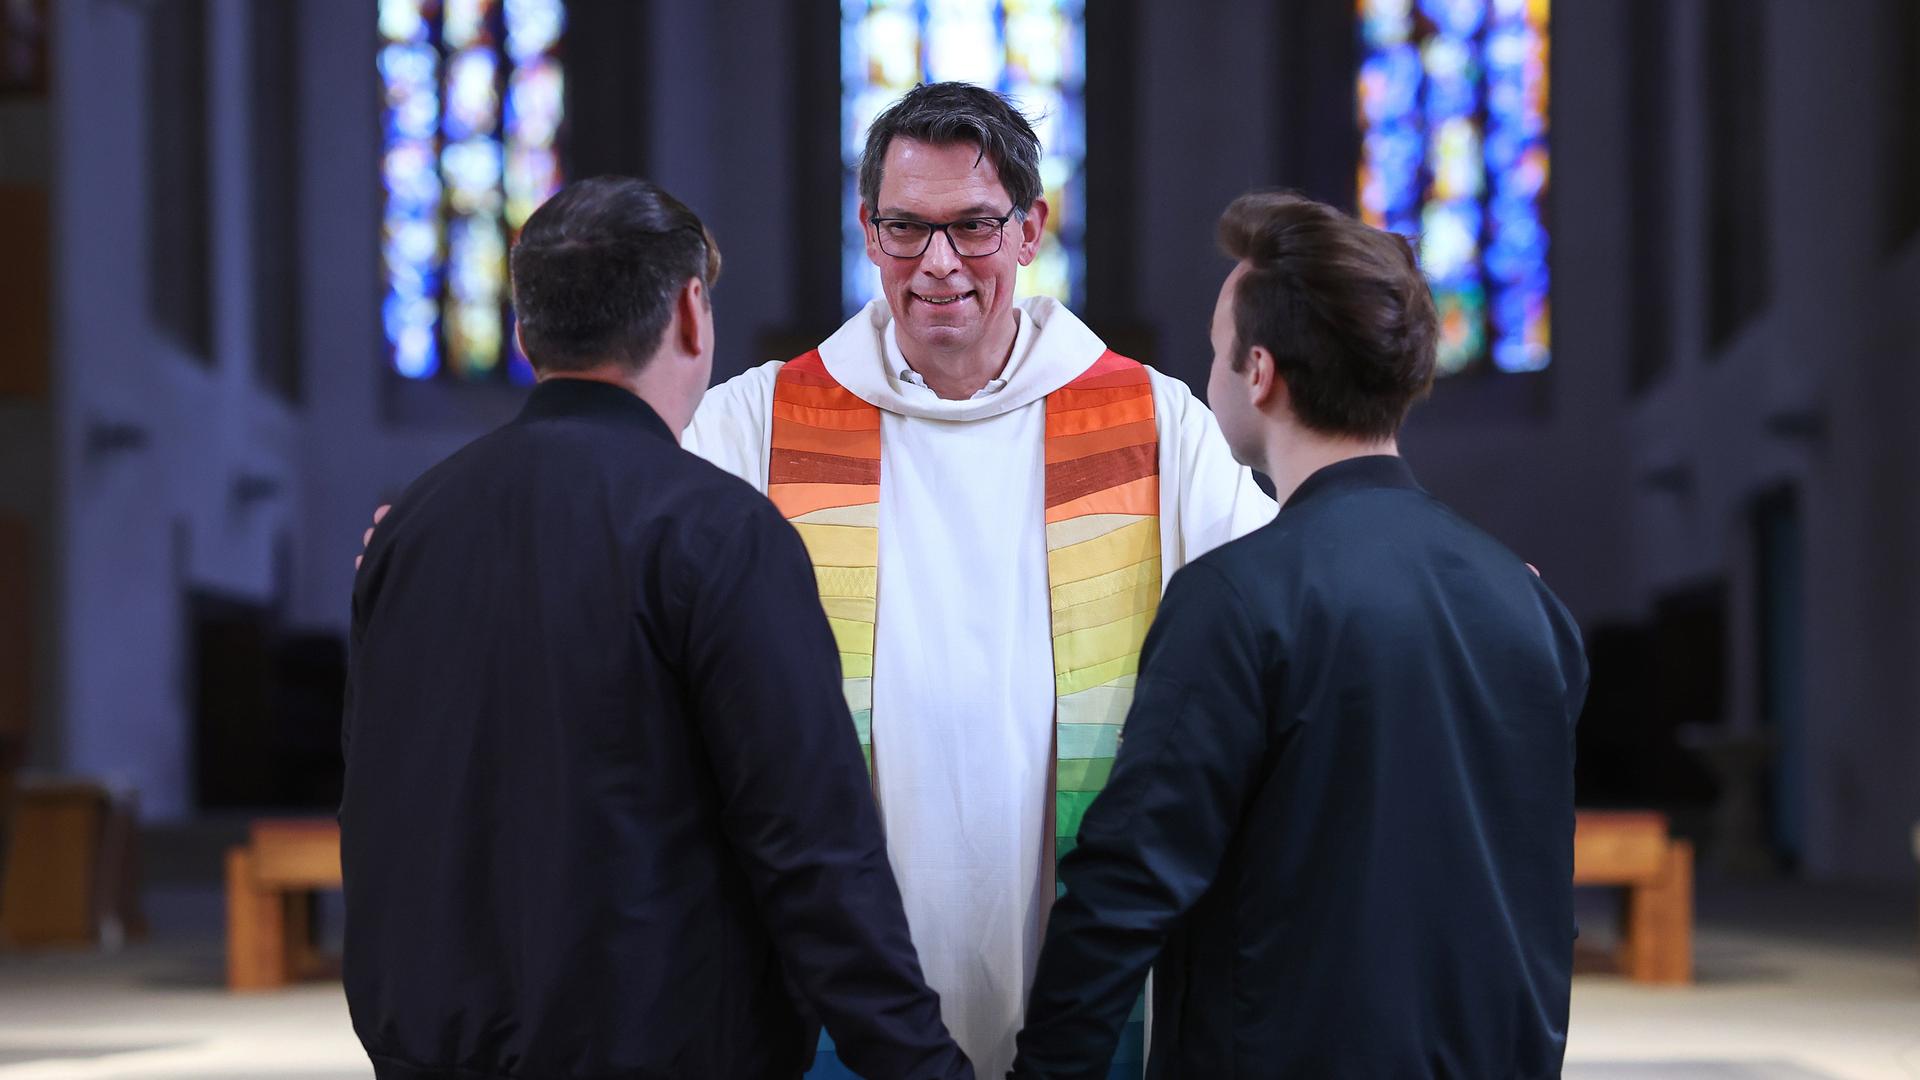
(1795, 983)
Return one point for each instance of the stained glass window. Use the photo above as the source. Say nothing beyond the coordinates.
(471, 123)
(1031, 50)
(1453, 116)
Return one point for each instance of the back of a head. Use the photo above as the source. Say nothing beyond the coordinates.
(1342, 307)
(596, 271)
(945, 113)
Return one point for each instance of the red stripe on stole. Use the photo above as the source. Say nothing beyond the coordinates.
(1070, 480)
(801, 467)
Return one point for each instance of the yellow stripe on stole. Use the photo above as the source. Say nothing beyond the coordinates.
(1143, 597)
(1086, 527)
(866, 515)
(863, 581)
(1125, 579)
(1087, 649)
(1072, 682)
(840, 545)
(1121, 548)
(852, 636)
(850, 608)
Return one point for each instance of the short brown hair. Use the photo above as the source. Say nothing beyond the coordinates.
(597, 270)
(944, 113)
(1342, 306)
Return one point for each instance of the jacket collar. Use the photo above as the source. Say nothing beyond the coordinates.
(1371, 471)
(590, 399)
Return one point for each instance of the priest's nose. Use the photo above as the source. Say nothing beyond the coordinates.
(940, 258)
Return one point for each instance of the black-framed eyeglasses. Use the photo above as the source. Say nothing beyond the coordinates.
(974, 237)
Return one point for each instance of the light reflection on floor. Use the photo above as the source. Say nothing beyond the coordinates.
(1795, 983)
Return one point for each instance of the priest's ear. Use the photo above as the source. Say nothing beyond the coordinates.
(1032, 228)
(869, 232)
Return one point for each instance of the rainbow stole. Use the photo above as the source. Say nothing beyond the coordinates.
(1103, 546)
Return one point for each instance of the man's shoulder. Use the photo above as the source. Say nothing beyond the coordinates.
(475, 461)
(1249, 557)
(712, 490)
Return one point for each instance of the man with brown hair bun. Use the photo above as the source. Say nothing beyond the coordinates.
(1340, 827)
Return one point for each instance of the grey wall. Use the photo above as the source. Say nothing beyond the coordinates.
(1838, 344)
(139, 524)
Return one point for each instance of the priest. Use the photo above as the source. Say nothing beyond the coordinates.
(992, 501)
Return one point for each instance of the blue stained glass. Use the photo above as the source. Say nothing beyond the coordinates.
(413, 96)
(1385, 23)
(535, 99)
(1460, 18)
(401, 20)
(464, 22)
(1505, 144)
(533, 28)
(1452, 78)
(410, 175)
(1389, 195)
(1390, 84)
(410, 323)
(1517, 305)
(1449, 241)
(473, 103)
(462, 168)
(1453, 115)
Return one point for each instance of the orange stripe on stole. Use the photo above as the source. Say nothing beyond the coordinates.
(825, 455)
(1103, 459)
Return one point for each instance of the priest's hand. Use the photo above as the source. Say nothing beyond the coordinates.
(367, 537)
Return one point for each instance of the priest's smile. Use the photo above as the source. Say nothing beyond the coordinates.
(942, 301)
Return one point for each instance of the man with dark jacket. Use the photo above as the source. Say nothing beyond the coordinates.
(1340, 826)
(605, 815)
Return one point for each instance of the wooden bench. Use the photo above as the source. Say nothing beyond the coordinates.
(70, 871)
(1632, 850)
(271, 882)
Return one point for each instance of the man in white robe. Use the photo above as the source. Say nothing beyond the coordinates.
(963, 681)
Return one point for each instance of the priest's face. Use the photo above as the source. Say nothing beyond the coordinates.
(944, 301)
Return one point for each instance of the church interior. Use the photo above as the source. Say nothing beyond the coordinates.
(255, 282)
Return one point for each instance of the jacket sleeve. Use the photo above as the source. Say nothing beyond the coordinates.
(764, 677)
(1151, 844)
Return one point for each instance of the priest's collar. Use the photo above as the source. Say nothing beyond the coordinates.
(1022, 342)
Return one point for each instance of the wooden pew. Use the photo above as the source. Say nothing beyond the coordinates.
(271, 882)
(1631, 850)
(69, 874)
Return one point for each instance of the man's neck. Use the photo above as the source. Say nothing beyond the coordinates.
(1292, 456)
(957, 376)
(633, 382)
